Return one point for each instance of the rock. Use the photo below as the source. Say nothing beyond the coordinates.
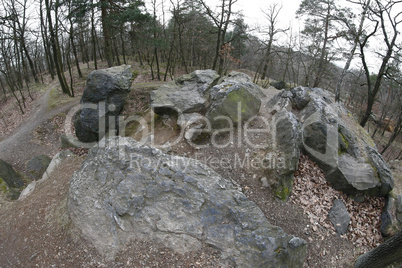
(192, 124)
(352, 177)
(9, 175)
(341, 147)
(388, 254)
(54, 163)
(126, 191)
(103, 100)
(236, 77)
(391, 218)
(280, 101)
(300, 97)
(339, 216)
(279, 85)
(264, 182)
(384, 173)
(37, 166)
(286, 149)
(232, 103)
(187, 94)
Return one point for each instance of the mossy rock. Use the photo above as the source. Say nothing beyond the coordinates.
(10, 176)
(37, 166)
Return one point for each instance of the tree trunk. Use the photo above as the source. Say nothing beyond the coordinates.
(106, 33)
(77, 63)
(320, 69)
(387, 253)
(93, 35)
(56, 52)
(351, 53)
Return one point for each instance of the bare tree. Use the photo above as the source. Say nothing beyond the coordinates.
(271, 15)
(387, 21)
(222, 21)
(356, 34)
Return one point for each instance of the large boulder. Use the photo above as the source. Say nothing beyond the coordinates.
(342, 148)
(391, 218)
(286, 144)
(126, 191)
(103, 100)
(187, 94)
(37, 166)
(10, 176)
(226, 101)
(232, 103)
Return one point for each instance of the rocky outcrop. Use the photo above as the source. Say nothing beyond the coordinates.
(391, 218)
(9, 175)
(187, 94)
(279, 85)
(285, 148)
(333, 139)
(225, 101)
(37, 166)
(103, 100)
(339, 216)
(339, 145)
(232, 103)
(126, 191)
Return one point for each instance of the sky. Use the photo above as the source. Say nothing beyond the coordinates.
(253, 15)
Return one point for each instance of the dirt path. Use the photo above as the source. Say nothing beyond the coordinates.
(21, 146)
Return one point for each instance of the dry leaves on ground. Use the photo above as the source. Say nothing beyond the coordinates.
(314, 194)
(10, 114)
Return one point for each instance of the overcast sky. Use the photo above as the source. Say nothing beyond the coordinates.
(253, 14)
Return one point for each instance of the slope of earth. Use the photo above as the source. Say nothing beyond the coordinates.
(22, 144)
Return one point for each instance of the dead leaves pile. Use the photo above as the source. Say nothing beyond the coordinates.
(76, 151)
(58, 123)
(312, 192)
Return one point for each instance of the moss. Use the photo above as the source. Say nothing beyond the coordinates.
(135, 74)
(57, 98)
(283, 193)
(279, 250)
(3, 187)
(345, 141)
(131, 129)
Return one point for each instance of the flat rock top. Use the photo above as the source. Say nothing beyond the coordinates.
(132, 191)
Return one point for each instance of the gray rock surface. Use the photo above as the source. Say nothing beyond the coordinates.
(286, 148)
(391, 218)
(236, 77)
(192, 124)
(279, 85)
(9, 175)
(131, 191)
(37, 166)
(339, 216)
(103, 99)
(187, 94)
(232, 103)
(300, 97)
(339, 145)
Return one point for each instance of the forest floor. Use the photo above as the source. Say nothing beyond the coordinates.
(37, 231)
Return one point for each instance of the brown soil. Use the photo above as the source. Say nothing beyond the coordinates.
(37, 232)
